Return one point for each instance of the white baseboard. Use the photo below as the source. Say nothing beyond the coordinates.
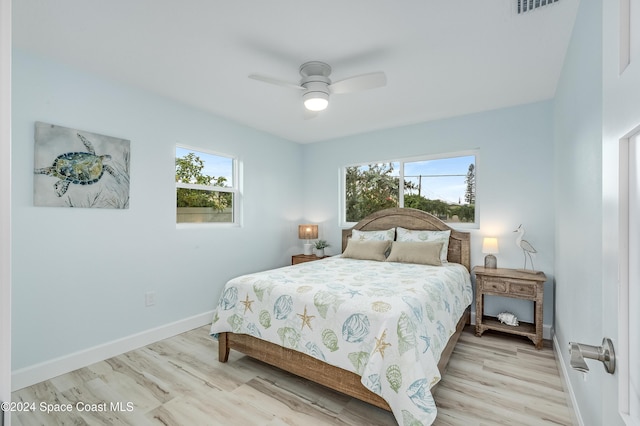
(566, 383)
(46, 370)
(546, 328)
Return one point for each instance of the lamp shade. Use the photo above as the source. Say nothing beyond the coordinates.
(307, 232)
(490, 245)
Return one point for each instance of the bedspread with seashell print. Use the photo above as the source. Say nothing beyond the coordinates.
(388, 322)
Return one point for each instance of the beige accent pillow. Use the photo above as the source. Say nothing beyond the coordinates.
(366, 250)
(427, 253)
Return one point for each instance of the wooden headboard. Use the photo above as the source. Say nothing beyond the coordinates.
(459, 242)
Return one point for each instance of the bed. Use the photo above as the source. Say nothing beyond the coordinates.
(378, 330)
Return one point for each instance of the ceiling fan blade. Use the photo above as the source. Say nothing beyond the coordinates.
(309, 115)
(359, 83)
(275, 81)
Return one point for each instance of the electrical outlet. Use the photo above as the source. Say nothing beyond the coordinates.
(150, 298)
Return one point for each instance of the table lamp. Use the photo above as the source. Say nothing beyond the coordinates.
(308, 232)
(490, 247)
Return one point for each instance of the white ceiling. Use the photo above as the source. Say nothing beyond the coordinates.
(442, 59)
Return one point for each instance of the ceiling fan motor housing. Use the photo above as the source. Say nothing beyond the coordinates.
(315, 77)
(316, 86)
(315, 80)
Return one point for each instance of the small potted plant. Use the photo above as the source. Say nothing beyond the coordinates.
(320, 246)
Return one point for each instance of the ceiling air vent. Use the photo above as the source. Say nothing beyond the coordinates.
(529, 5)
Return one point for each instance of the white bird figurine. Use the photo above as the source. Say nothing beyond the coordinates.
(527, 248)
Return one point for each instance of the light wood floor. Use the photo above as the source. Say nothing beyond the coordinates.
(491, 380)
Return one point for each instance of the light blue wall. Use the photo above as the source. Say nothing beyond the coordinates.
(514, 181)
(578, 177)
(79, 275)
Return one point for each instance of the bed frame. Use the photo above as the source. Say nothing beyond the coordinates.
(334, 377)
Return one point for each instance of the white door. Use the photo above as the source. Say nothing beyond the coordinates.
(621, 292)
(629, 290)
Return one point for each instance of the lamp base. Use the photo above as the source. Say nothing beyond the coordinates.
(490, 262)
(308, 248)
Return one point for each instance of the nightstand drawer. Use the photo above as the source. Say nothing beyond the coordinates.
(497, 286)
(522, 288)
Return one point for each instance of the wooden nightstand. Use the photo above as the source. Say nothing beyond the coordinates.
(513, 283)
(301, 258)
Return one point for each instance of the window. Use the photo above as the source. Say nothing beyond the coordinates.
(369, 188)
(442, 186)
(206, 187)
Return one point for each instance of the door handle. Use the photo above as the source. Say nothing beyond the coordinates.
(603, 353)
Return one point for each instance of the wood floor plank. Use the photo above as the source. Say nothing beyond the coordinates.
(491, 380)
(291, 409)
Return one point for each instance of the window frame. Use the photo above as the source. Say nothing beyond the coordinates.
(234, 189)
(426, 157)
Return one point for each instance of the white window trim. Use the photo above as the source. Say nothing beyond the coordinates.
(456, 225)
(211, 188)
(236, 190)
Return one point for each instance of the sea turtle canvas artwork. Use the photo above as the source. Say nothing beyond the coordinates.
(75, 168)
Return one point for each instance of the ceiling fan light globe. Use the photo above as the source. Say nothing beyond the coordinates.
(316, 104)
(315, 101)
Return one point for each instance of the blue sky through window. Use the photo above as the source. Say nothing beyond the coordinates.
(440, 179)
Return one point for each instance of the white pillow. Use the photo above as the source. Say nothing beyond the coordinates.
(388, 235)
(426, 236)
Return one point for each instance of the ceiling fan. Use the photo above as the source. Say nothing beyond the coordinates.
(316, 86)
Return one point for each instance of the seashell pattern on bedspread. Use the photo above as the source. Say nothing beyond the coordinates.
(387, 322)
